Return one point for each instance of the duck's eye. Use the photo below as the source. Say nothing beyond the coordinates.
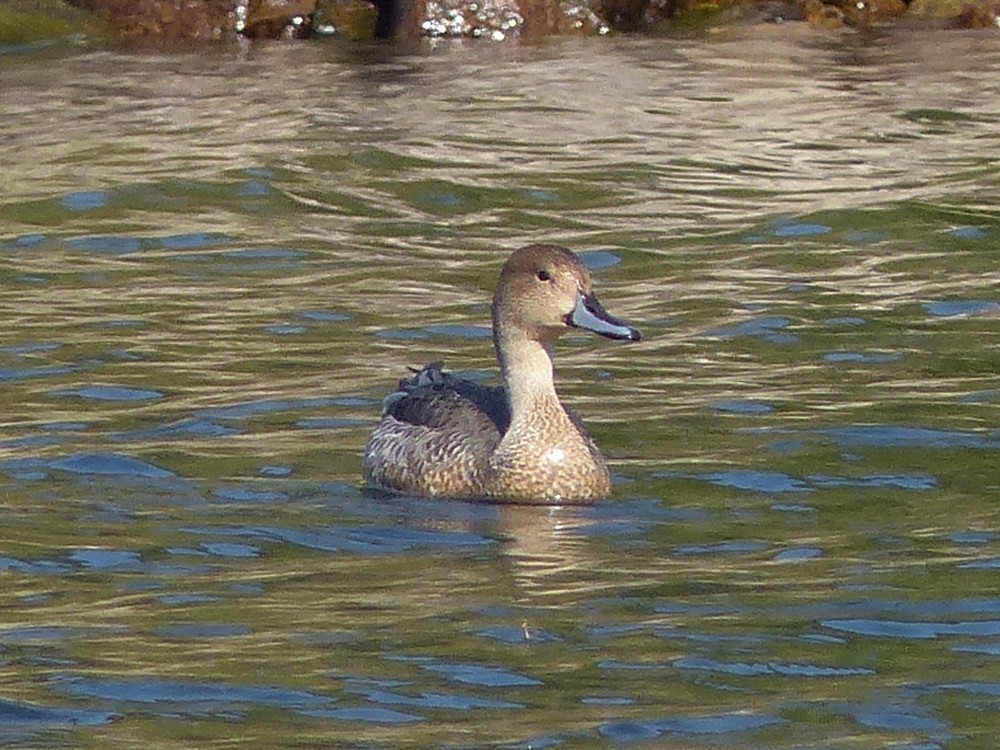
(544, 275)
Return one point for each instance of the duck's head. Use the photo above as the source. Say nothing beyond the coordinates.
(546, 290)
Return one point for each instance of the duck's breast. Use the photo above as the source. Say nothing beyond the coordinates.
(547, 457)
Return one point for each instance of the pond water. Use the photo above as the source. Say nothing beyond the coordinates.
(215, 263)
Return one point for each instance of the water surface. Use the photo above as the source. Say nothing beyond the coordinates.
(215, 263)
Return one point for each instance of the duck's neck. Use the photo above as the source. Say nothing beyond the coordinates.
(526, 366)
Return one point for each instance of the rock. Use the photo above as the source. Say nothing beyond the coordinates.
(872, 12)
(936, 8)
(626, 15)
(273, 19)
(30, 21)
(981, 15)
(177, 19)
(494, 19)
(823, 16)
(204, 19)
(491, 19)
(355, 19)
(766, 11)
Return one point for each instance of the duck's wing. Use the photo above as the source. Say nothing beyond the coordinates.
(436, 436)
(439, 400)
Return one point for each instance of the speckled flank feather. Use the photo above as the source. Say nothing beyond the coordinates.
(432, 439)
(444, 436)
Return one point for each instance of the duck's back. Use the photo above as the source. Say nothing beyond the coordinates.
(436, 436)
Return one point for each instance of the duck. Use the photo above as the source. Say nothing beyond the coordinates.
(445, 436)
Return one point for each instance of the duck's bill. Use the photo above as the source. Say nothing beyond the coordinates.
(589, 314)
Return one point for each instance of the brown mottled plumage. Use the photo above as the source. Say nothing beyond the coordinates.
(444, 436)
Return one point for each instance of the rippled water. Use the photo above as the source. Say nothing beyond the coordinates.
(215, 263)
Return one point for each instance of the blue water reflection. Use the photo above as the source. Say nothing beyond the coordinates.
(17, 714)
(187, 696)
(769, 328)
(86, 200)
(109, 464)
(902, 436)
(110, 393)
(697, 726)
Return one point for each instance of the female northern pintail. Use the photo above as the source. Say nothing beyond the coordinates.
(444, 436)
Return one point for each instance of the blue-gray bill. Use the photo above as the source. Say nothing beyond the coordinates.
(589, 314)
